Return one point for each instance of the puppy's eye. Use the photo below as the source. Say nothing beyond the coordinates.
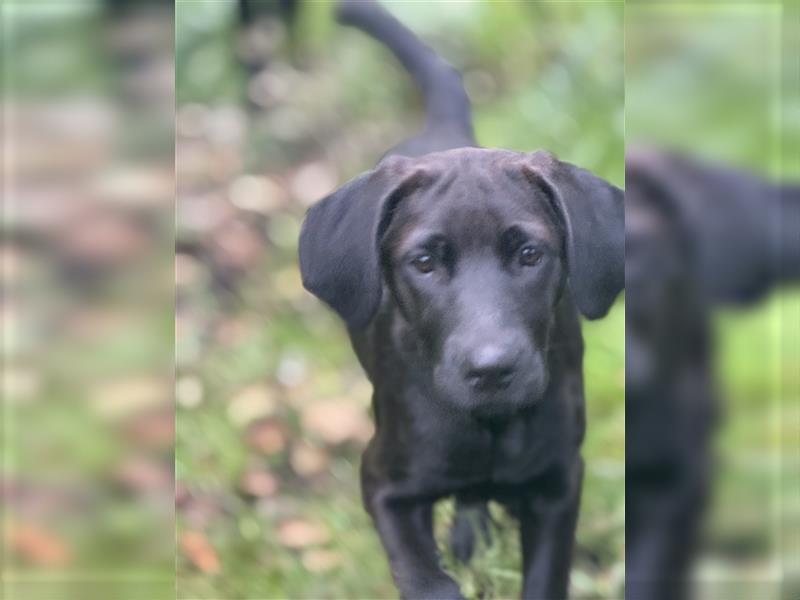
(529, 256)
(424, 263)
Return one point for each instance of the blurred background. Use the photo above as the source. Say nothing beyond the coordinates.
(716, 84)
(277, 106)
(252, 112)
(87, 300)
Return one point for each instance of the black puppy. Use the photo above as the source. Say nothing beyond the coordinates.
(698, 236)
(460, 273)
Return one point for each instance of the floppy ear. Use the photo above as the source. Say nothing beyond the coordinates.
(593, 214)
(339, 240)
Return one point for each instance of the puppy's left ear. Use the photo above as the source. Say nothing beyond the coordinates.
(593, 214)
(340, 238)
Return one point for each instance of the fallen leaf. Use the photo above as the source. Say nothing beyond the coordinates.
(200, 552)
(299, 533)
(336, 421)
(266, 436)
(38, 546)
(258, 483)
(253, 402)
(307, 460)
(153, 430)
(258, 194)
(319, 560)
(237, 245)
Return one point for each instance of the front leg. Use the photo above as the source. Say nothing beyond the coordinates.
(665, 508)
(405, 526)
(547, 530)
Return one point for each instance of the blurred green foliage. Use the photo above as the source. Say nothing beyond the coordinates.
(710, 81)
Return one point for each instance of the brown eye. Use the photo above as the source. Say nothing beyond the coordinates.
(424, 263)
(529, 256)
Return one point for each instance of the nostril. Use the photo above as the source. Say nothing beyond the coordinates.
(490, 377)
(490, 367)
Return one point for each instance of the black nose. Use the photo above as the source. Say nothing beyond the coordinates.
(491, 367)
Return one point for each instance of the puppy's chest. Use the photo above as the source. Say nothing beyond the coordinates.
(519, 451)
(507, 455)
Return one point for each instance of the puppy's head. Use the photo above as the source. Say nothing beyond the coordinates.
(476, 248)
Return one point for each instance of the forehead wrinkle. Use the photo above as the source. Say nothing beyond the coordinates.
(474, 226)
(444, 183)
(507, 204)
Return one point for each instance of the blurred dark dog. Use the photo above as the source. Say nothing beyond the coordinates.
(460, 273)
(697, 236)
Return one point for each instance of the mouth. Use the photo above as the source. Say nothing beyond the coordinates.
(501, 410)
(514, 398)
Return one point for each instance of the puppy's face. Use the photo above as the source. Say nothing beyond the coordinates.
(475, 247)
(475, 262)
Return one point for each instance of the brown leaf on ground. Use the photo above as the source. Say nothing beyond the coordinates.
(200, 552)
(336, 421)
(252, 403)
(258, 483)
(266, 436)
(299, 533)
(258, 194)
(37, 546)
(153, 430)
(319, 560)
(307, 460)
(237, 245)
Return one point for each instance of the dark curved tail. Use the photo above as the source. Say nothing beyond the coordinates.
(446, 101)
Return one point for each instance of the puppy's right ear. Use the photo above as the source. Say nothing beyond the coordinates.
(340, 238)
